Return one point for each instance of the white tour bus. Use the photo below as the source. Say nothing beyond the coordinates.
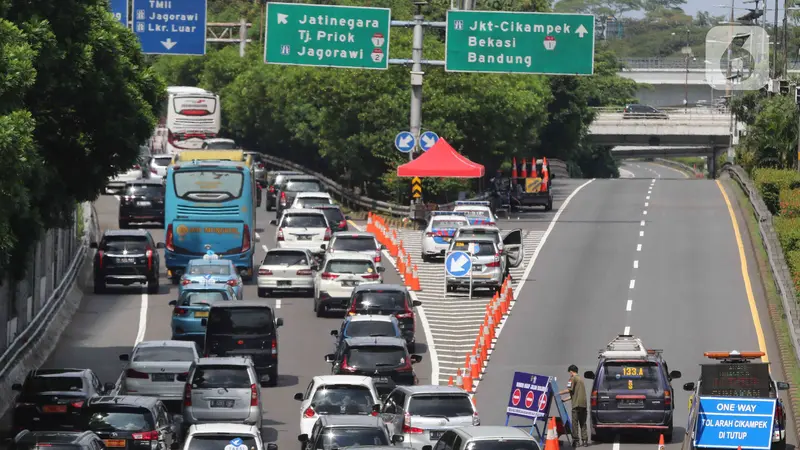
(190, 116)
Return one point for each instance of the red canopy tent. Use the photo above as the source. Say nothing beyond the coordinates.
(441, 161)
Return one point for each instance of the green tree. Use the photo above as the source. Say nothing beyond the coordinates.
(771, 139)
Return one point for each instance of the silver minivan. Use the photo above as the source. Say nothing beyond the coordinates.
(222, 390)
(421, 414)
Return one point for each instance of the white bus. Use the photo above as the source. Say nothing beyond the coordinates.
(190, 116)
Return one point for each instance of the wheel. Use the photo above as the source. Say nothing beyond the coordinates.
(153, 286)
(549, 205)
(263, 293)
(175, 280)
(273, 379)
(668, 437)
(99, 285)
(412, 347)
(424, 258)
(780, 445)
(123, 224)
(450, 288)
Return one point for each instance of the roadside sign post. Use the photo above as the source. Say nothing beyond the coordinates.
(119, 8)
(171, 27)
(405, 141)
(735, 422)
(427, 140)
(458, 264)
(531, 397)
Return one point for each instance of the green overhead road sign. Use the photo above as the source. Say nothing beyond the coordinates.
(517, 42)
(331, 36)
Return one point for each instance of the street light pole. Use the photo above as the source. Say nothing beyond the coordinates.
(415, 118)
(686, 80)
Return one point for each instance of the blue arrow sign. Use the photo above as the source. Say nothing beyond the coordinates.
(404, 141)
(171, 27)
(735, 423)
(458, 264)
(427, 139)
(120, 10)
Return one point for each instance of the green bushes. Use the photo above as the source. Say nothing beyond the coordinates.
(770, 182)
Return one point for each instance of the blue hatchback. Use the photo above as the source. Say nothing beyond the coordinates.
(212, 270)
(192, 307)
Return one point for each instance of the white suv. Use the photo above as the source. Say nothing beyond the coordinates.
(223, 435)
(306, 229)
(346, 243)
(442, 227)
(337, 395)
(338, 276)
(307, 200)
(158, 165)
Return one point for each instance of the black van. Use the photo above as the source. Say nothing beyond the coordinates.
(245, 328)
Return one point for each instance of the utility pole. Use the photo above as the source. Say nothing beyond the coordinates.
(775, 71)
(415, 117)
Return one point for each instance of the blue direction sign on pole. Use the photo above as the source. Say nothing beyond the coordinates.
(427, 139)
(120, 10)
(458, 264)
(735, 422)
(529, 396)
(171, 27)
(404, 141)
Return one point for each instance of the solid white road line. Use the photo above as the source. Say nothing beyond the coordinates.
(142, 318)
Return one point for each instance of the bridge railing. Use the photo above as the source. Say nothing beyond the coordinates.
(672, 115)
(675, 63)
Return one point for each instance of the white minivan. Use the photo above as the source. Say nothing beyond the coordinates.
(305, 229)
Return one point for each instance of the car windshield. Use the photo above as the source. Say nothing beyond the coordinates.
(162, 161)
(376, 356)
(629, 375)
(481, 248)
(146, 190)
(45, 446)
(163, 354)
(342, 399)
(115, 418)
(480, 233)
(285, 258)
(36, 385)
(391, 301)
(220, 145)
(210, 269)
(221, 441)
(350, 266)
(355, 244)
(308, 201)
(341, 437)
(304, 221)
(368, 328)
(493, 444)
(210, 185)
(115, 244)
(241, 321)
(334, 215)
(448, 224)
(303, 186)
(220, 377)
(194, 298)
(447, 405)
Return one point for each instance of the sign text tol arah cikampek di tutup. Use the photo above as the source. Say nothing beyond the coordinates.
(518, 42)
(329, 36)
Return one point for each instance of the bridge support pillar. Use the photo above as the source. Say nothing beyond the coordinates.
(712, 163)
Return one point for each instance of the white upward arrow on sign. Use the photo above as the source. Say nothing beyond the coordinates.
(282, 18)
(581, 31)
(168, 44)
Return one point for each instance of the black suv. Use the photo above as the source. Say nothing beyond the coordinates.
(126, 257)
(335, 216)
(142, 201)
(52, 399)
(383, 358)
(131, 422)
(245, 328)
(291, 185)
(635, 111)
(389, 300)
(60, 440)
(632, 390)
(275, 179)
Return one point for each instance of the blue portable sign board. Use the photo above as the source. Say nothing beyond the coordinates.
(531, 397)
(120, 10)
(427, 139)
(171, 27)
(735, 422)
(404, 141)
(458, 264)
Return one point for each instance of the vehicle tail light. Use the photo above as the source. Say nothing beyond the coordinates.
(272, 189)
(283, 199)
(264, 272)
(407, 314)
(407, 366)
(344, 367)
(343, 224)
(274, 347)
(130, 373)
(280, 234)
(253, 395)
(187, 394)
(309, 413)
(430, 234)
(329, 276)
(233, 283)
(377, 258)
(496, 262)
(182, 376)
(185, 281)
(149, 254)
(179, 311)
(170, 246)
(327, 234)
(594, 399)
(667, 398)
(137, 167)
(371, 276)
(100, 258)
(407, 428)
(153, 170)
(778, 413)
(306, 272)
(260, 165)
(245, 239)
(78, 404)
(476, 419)
(146, 436)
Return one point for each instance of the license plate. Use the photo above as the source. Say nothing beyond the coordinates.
(381, 380)
(284, 283)
(114, 442)
(350, 283)
(201, 313)
(303, 238)
(125, 260)
(143, 204)
(435, 435)
(628, 403)
(222, 403)
(163, 377)
(477, 268)
(54, 408)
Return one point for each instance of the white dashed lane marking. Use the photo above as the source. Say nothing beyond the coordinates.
(629, 304)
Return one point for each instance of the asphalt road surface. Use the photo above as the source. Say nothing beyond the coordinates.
(641, 169)
(106, 326)
(658, 259)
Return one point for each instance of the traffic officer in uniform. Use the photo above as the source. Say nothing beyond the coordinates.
(577, 395)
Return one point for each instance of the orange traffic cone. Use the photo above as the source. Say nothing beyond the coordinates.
(514, 170)
(450, 381)
(552, 442)
(524, 173)
(661, 442)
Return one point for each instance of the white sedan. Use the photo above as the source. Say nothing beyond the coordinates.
(286, 269)
(158, 368)
(336, 395)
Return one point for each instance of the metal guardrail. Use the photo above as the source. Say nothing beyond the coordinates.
(677, 63)
(669, 111)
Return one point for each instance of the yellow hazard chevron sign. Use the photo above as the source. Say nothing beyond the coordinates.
(416, 187)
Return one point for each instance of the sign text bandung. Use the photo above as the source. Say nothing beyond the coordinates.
(171, 27)
(735, 422)
(515, 42)
(325, 35)
(522, 386)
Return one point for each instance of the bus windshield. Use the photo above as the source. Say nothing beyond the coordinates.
(208, 185)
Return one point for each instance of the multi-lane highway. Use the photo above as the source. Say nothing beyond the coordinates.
(109, 325)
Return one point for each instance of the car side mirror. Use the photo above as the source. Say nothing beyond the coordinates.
(383, 247)
(347, 218)
(335, 333)
(675, 374)
(589, 375)
(782, 386)
(416, 358)
(302, 438)
(272, 446)
(416, 303)
(109, 387)
(376, 408)
(173, 303)
(427, 447)
(552, 176)
(397, 438)
(93, 245)
(174, 446)
(160, 245)
(298, 396)
(380, 269)
(329, 358)
(323, 246)
(273, 222)
(124, 357)
(689, 387)
(204, 322)
(279, 322)
(16, 387)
